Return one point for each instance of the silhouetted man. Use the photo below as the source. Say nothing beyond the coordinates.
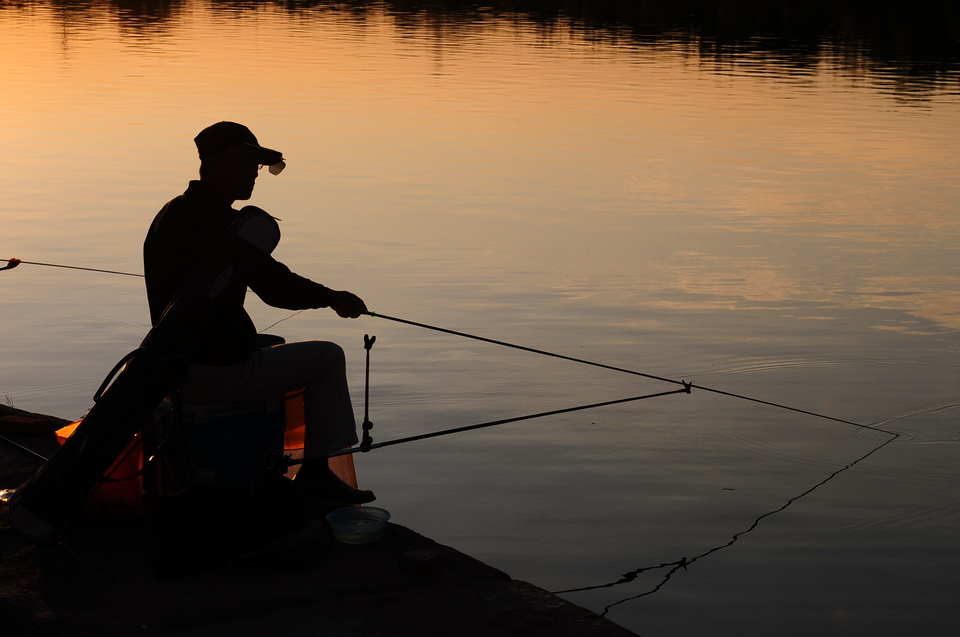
(228, 366)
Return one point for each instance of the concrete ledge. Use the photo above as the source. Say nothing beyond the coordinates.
(99, 581)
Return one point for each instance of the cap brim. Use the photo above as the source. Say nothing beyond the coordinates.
(266, 156)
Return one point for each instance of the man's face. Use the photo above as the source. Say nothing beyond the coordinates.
(234, 173)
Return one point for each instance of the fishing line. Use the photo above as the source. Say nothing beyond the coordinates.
(272, 325)
(684, 562)
(625, 371)
(12, 263)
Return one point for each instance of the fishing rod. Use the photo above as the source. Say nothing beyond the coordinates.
(494, 423)
(14, 262)
(685, 384)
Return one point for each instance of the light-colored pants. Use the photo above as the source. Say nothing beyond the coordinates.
(319, 367)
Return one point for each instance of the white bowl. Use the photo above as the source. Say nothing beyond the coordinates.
(358, 525)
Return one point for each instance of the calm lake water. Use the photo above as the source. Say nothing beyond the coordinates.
(773, 214)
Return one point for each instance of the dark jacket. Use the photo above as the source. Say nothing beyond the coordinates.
(181, 238)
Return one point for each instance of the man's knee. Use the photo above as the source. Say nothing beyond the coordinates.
(326, 352)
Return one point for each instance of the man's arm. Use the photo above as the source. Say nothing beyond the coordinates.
(276, 285)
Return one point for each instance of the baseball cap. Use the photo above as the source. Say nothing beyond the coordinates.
(217, 138)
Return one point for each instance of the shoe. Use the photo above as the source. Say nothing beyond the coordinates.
(327, 486)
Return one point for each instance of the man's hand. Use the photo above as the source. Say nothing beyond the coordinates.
(347, 304)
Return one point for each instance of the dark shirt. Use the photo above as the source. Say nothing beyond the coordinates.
(181, 238)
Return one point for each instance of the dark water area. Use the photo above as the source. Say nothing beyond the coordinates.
(917, 41)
